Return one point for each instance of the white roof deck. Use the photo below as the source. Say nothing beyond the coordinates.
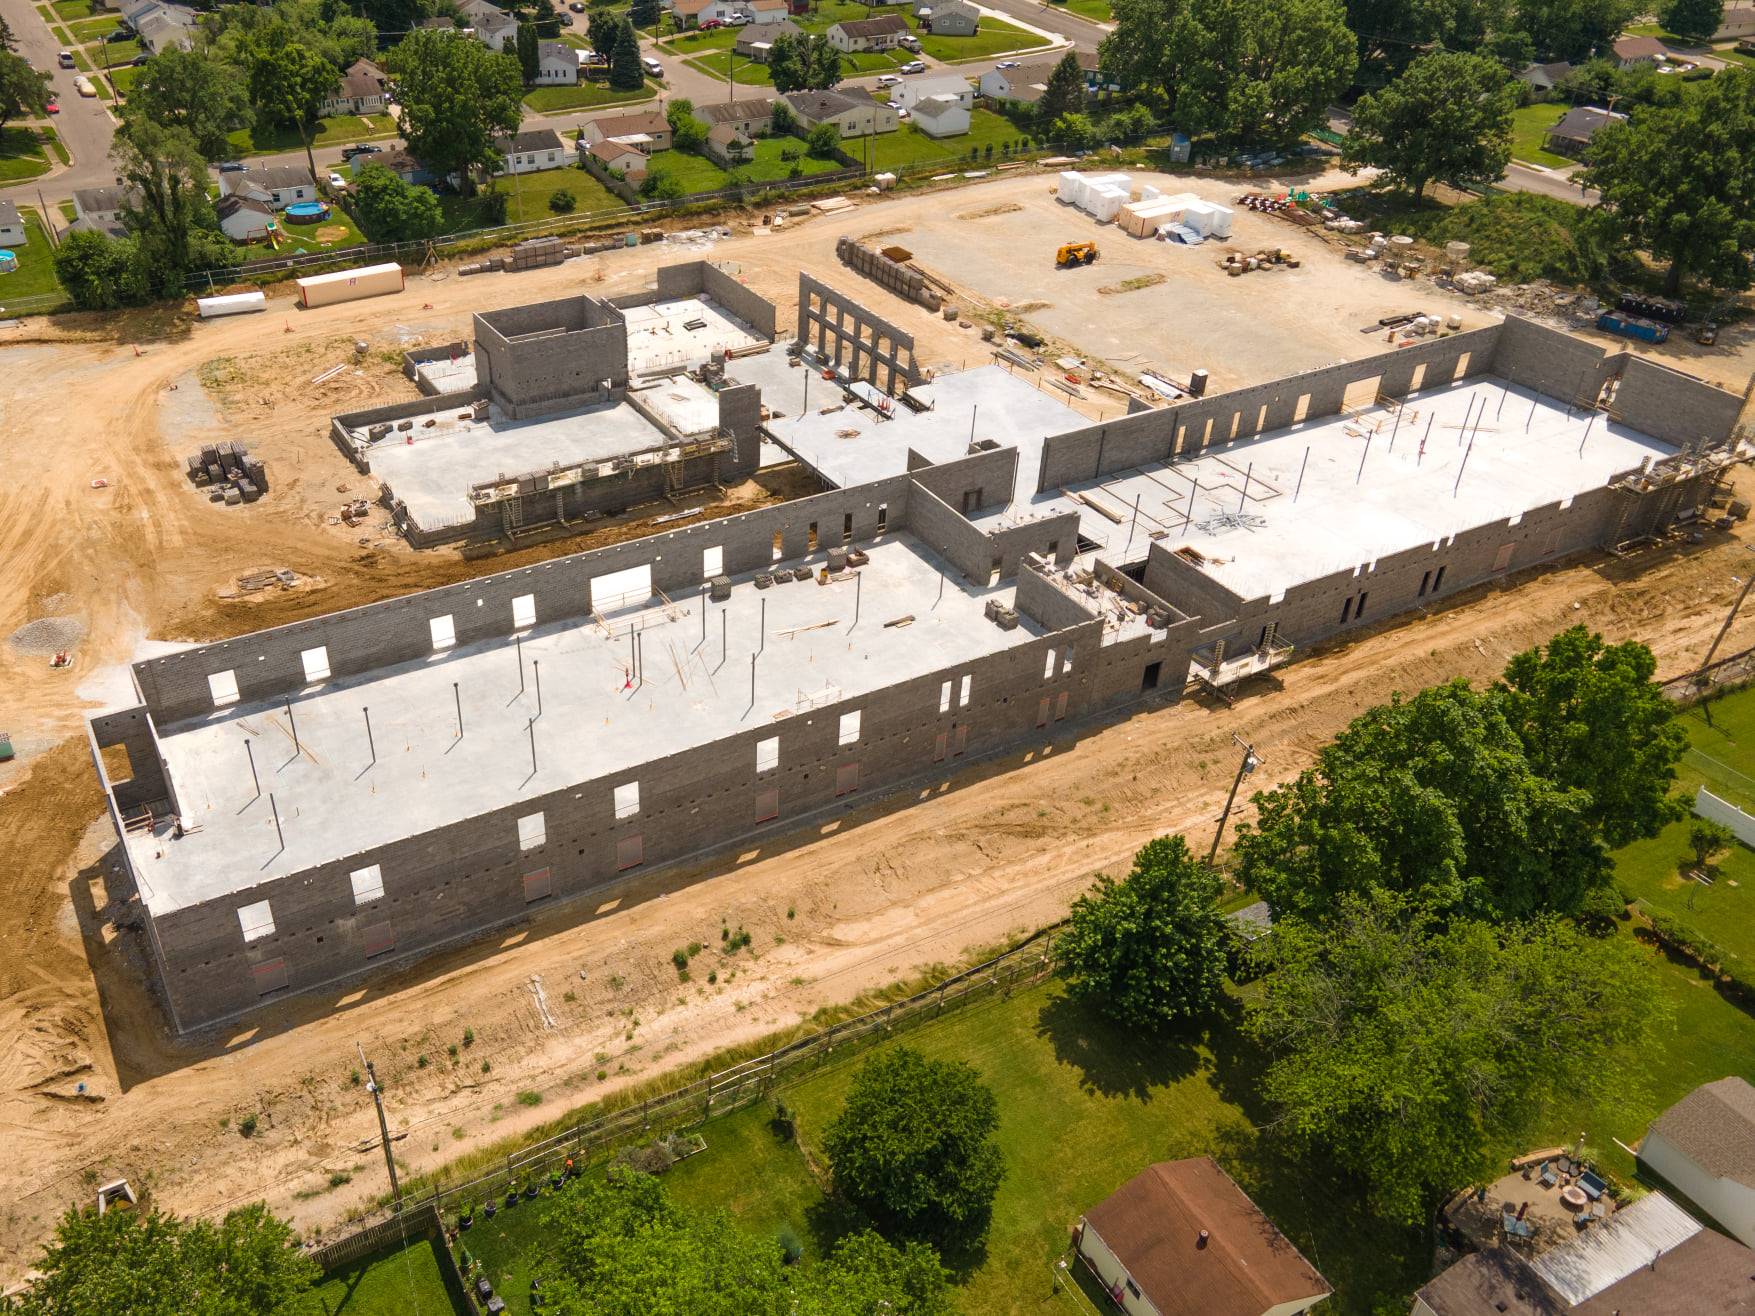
(659, 337)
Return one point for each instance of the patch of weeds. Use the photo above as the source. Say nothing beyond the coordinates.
(247, 1125)
(486, 1066)
(469, 1037)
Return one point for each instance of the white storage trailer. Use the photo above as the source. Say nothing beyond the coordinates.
(350, 285)
(238, 303)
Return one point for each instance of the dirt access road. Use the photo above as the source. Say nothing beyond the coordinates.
(909, 883)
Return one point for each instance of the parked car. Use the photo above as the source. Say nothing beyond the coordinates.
(65, 59)
(337, 182)
(653, 67)
(712, 23)
(360, 148)
(54, 106)
(139, 60)
(888, 80)
(1007, 64)
(738, 20)
(121, 34)
(233, 167)
(913, 66)
(577, 6)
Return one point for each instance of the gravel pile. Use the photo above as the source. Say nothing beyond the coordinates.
(48, 636)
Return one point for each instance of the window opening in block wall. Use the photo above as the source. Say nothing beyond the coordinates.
(768, 754)
(523, 611)
(849, 731)
(847, 528)
(627, 588)
(532, 831)
(443, 631)
(316, 664)
(256, 921)
(713, 562)
(883, 517)
(627, 799)
(944, 697)
(1048, 666)
(368, 884)
(811, 539)
(224, 688)
(779, 548)
(967, 687)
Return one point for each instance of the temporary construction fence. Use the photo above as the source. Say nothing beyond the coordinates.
(1716, 678)
(693, 1104)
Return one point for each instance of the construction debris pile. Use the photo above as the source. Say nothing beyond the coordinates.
(1236, 263)
(229, 472)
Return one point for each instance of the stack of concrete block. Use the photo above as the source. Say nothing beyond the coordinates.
(231, 474)
(536, 253)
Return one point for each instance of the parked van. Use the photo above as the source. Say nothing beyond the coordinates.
(653, 67)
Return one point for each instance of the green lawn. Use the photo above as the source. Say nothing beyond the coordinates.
(747, 72)
(693, 43)
(122, 80)
(584, 96)
(1529, 133)
(52, 140)
(117, 52)
(699, 174)
(300, 239)
(21, 155)
(696, 173)
(909, 146)
(1097, 11)
(874, 61)
(831, 12)
(35, 275)
(400, 1281)
(90, 29)
(527, 199)
(71, 10)
(994, 37)
(266, 140)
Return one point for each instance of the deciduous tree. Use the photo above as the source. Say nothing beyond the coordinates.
(98, 272)
(1149, 950)
(23, 91)
(913, 1146)
(391, 210)
(1572, 29)
(686, 131)
(1680, 180)
(1448, 116)
(1697, 19)
(198, 91)
(1403, 1046)
(168, 212)
(288, 85)
(458, 98)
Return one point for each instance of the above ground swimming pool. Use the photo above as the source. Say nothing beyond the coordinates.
(306, 212)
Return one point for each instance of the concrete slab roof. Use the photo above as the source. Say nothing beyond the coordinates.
(1344, 507)
(335, 803)
(660, 336)
(685, 404)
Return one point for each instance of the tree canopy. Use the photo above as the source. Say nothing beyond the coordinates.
(23, 91)
(288, 85)
(1698, 19)
(1680, 180)
(1571, 29)
(687, 133)
(803, 62)
(913, 1146)
(618, 1246)
(148, 1264)
(168, 215)
(458, 98)
(1403, 1045)
(625, 71)
(1149, 950)
(1064, 94)
(529, 52)
(391, 210)
(1448, 116)
(1247, 70)
(195, 90)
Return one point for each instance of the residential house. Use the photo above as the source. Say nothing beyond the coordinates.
(362, 91)
(439, 24)
(280, 185)
(766, 13)
(749, 117)
(1630, 53)
(761, 13)
(941, 116)
(1737, 22)
(1543, 79)
(856, 35)
(398, 162)
(12, 232)
(557, 64)
(1023, 85)
(99, 209)
(159, 24)
(1092, 67)
(1574, 132)
(729, 146)
(910, 93)
(756, 41)
(646, 131)
(1182, 1239)
(244, 216)
(531, 151)
(492, 26)
(1704, 1146)
(1647, 1259)
(855, 116)
(624, 162)
(954, 18)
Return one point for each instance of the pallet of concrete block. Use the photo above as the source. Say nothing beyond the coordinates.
(537, 253)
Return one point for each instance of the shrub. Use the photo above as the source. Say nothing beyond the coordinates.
(561, 201)
(247, 1125)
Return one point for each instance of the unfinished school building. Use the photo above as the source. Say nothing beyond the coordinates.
(987, 571)
(569, 410)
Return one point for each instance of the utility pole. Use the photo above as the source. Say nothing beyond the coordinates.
(1700, 676)
(383, 1127)
(1249, 764)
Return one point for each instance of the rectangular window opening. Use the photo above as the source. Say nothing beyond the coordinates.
(849, 728)
(938, 747)
(368, 884)
(713, 562)
(847, 528)
(1359, 612)
(1042, 706)
(316, 664)
(256, 921)
(1347, 610)
(224, 687)
(961, 740)
(768, 754)
(811, 538)
(1438, 580)
(883, 517)
(1060, 706)
(628, 588)
(1048, 667)
(944, 697)
(532, 831)
(443, 631)
(1425, 583)
(779, 548)
(523, 612)
(964, 692)
(627, 799)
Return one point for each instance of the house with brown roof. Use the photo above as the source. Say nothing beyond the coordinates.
(853, 35)
(729, 146)
(1630, 53)
(1704, 1146)
(855, 116)
(646, 131)
(625, 162)
(749, 117)
(1182, 1239)
(361, 91)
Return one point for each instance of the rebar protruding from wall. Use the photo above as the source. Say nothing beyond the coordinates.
(457, 696)
(275, 810)
(753, 658)
(530, 726)
(1194, 488)
(762, 646)
(536, 666)
(518, 640)
(705, 587)
(1504, 393)
(1305, 461)
(295, 728)
(250, 752)
(1132, 525)
(941, 589)
(858, 587)
(370, 743)
(724, 619)
(1360, 473)
(1534, 403)
(1421, 455)
(1461, 468)
(1395, 428)
(1468, 415)
(1589, 420)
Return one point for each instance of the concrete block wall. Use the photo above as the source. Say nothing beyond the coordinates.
(415, 358)
(1672, 406)
(581, 347)
(147, 782)
(1194, 424)
(842, 331)
(950, 535)
(464, 879)
(740, 415)
(360, 640)
(751, 307)
(413, 409)
(1550, 361)
(970, 483)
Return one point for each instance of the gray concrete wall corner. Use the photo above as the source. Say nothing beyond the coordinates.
(1675, 407)
(746, 304)
(740, 415)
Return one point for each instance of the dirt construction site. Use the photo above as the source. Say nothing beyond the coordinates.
(109, 549)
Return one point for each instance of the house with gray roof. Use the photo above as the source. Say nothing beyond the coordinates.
(1704, 1146)
(282, 185)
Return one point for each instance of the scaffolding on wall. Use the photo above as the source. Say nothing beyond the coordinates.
(1221, 670)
